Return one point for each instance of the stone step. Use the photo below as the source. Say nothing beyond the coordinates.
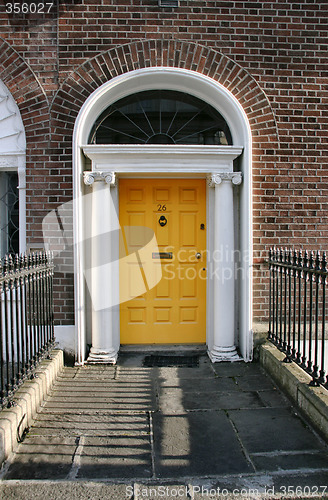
(245, 487)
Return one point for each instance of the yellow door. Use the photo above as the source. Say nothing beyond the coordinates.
(174, 310)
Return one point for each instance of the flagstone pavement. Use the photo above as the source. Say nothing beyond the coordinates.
(223, 425)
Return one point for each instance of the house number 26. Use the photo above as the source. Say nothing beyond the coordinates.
(161, 208)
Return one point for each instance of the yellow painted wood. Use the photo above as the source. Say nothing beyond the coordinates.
(173, 311)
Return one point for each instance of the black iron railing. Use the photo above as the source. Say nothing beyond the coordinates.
(26, 318)
(297, 309)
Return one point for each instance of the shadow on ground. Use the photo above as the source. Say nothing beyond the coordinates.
(225, 424)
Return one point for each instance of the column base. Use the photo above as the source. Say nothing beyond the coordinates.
(102, 357)
(217, 354)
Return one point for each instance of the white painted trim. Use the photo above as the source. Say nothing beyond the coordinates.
(220, 98)
(164, 159)
(13, 152)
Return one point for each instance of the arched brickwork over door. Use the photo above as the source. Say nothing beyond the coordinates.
(151, 53)
(34, 109)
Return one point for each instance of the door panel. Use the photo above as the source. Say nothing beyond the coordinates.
(173, 311)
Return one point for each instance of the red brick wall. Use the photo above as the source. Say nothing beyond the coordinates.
(272, 55)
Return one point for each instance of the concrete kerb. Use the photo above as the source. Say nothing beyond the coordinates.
(28, 398)
(311, 401)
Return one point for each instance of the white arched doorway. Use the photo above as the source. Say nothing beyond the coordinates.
(112, 162)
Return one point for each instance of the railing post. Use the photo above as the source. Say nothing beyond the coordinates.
(281, 258)
(287, 350)
(2, 361)
(315, 375)
(311, 274)
(299, 263)
(12, 324)
(22, 317)
(6, 289)
(305, 277)
(322, 378)
(16, 283)
(294, 302)
(270, 288)
(277, 296)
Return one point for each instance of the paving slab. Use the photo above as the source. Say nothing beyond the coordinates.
(203, 370)
(121, 396)
(43, 457)
(236, 369)
(256, 382)
(274, 398)
(273, 429)
(133, 405)
(115, 457)
(290, 461)
(205, 385)
(196, 444)
(94, 424)
(178, 400)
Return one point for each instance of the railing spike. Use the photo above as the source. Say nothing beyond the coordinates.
(17, 262)
(21, 261)
(11, 263)
(311, 260)
(5, 265)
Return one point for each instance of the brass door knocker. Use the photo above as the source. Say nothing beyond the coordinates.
(162, 221)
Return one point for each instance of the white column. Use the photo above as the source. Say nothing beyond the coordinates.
(22, 202)
(224, 348)
(103, 350)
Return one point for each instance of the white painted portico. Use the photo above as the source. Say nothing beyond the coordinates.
(228, 322)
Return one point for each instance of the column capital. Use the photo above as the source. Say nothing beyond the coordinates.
(217, 179)
(89, 177)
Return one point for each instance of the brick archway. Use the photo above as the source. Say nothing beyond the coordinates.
(170, 53)
(28, 94)
(34, 110)
(34, 113)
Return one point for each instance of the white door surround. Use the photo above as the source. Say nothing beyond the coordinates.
(214, 162)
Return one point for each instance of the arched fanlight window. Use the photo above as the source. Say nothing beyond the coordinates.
(160, 117)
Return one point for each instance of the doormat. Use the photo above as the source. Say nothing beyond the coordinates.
(165, 360)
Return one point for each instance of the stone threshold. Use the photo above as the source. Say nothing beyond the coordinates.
(311, 401)
(155, 348)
